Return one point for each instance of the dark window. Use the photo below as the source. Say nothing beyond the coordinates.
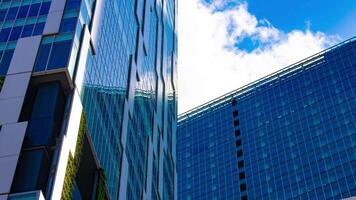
(23, 12)
(72, 5)
(27, 30)
(243, 187)
(4, 34)
(42, 57)
(240, 164)
(234, 102)
(238, 143)
(5, 62)
(244, 197)
(45, 8)
(11, 15)
(34, 10)
(239, 153)
(68, 25)
(242, 175)
(2, 15)
(15, 33)
(235, 113)
(236, 122)
(38, 29)
(237, 132)
(59, 55)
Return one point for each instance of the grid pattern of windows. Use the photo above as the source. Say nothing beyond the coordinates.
(294, 136)
(19, 19)
(207, 157)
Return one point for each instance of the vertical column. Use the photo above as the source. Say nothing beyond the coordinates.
(54, 17)
(11, 101)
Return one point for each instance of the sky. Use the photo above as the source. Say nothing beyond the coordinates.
(226, 44)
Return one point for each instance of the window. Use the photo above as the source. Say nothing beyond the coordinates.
(242, 175)
(72, 4)
(42, 57)
(34, 10)
(4, 34)
(27, 30)
(2, 14)
(15, 34)
(243, 187)
(235, 113)
(236, 122)
(59, 55)
(238, 143)
(45, 8)
(5, 62)
(23, 12)
(68, 25)
(38, 29)
(237, 132)
(11, 15)
(240, 164)
(234, 102)
(239, 153)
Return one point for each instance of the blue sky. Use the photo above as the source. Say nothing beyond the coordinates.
(225, 44)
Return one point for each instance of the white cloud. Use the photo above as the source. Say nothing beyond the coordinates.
(211, 65)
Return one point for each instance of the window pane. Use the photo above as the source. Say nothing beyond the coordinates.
(59, 55)
(5, 62)
(45, 8)
(34, 10)
(42, 57)
(4, 34)
(72, 5)
(38, 29)
(68, 25)
(2, 15)
(22, 12)
(27, 30)
(15, 34)
(12, 13)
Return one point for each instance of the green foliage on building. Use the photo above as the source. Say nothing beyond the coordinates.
(74, 162)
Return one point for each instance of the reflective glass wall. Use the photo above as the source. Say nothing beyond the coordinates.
(291, 135)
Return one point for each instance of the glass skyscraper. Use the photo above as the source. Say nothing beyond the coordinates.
(290, 135)
(88, 99)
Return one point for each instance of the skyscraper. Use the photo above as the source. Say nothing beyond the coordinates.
(290, 135)
(88, 99)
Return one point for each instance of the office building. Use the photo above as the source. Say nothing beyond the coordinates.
(290, 135)
(88, 99)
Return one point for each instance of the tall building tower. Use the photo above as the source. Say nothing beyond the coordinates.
(88, 99)
(290, 135)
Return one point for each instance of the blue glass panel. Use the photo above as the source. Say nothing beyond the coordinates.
(15, 33)
(60, 54)
(2, 14)
(42, 57)
(38, 29)
(45, 8)
(11, 15)
(27, 30)
(68, 25)
(34, 10)
(22, 12)
(72, 4)
(5, 61)
(4, 34)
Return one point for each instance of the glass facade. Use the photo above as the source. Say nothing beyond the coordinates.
(108, 64)
(291, 135)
